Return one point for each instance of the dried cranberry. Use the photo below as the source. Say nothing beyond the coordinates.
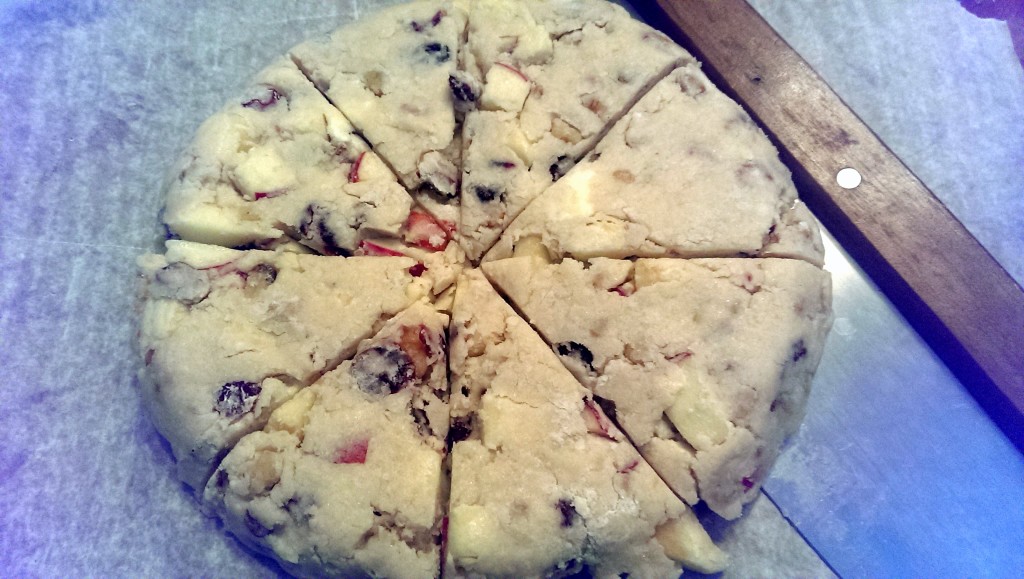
(168, 234)
(300, 507)
(434, 21)
(799, 350)
(578, 351)
(422, 421)
(373, 249)
(560, 167)
(461, 90)
(417, 270)
(256, 244)
(255, 527)
(460, 429)
(269, 98)
(423, 230)
(622, 289)
(269, 194)
(353, 453)
(568, 511)
(353, 172)
(503, 164)
(629, 467)
(432, 190)
(571, 569)
(680, 356)
(596, 422)
(441, 539)
(754, 174)
(382, 370)
(313, 227)
(439, 52)
(487, 194)
(237, 398)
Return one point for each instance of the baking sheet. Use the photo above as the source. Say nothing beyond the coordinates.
(96, 99)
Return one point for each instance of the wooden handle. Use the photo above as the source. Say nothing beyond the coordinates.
(957, 297)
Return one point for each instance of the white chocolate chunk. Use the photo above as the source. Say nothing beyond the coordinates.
(696, 413)
(262, 171)
(685, 540)
(506, 89)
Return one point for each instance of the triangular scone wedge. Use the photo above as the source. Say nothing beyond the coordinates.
(346, 480)
(543, 484)
(389, 73)
(555, 76)
(708, 362)
(685, 173)
(280, 162)
(227, 335)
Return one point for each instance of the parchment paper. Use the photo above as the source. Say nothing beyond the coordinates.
(98, 97)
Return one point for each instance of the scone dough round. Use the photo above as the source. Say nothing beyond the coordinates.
(670, 307)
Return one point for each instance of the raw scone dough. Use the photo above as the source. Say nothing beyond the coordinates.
(227, 336)
(554, 75)
(395, 146)
(708, 362)
(543, 484)
(346, 479)
(685, 173)
(280, 162)
(389, 74)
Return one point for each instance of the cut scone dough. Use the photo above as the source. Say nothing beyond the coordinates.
(346, 479)
(227, 335)
(278, 163)
(685, 173)
(554, 76)
(283, 164)
(543, 484)
(707, 362)
(558, 129)
(389, 74)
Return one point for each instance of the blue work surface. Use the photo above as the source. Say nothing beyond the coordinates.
(896, 471)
